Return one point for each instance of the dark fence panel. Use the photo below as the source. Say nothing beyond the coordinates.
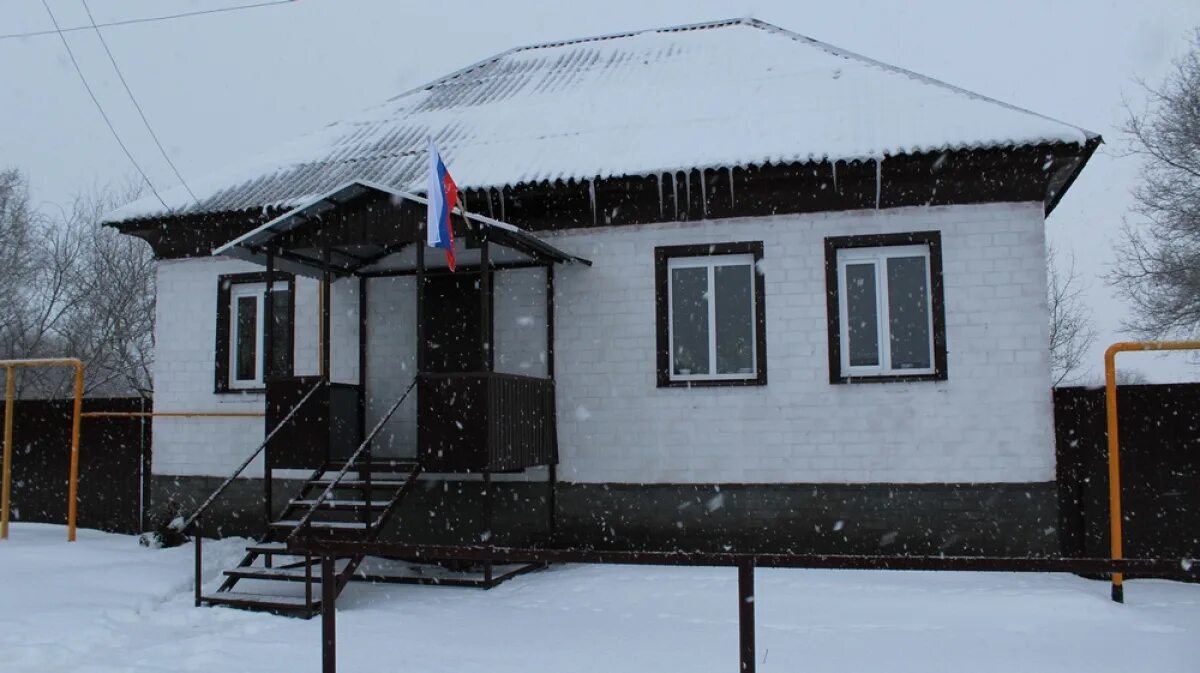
(522, 429)
(114, 463)
(476, 421)
(1159, 428)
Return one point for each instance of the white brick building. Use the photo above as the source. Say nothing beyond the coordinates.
(824, 310)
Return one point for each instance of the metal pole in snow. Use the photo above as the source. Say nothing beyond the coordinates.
(10, 391)
(746, 614)
(328, 610)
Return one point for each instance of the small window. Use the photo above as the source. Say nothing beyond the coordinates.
(241, 332)
(711, 319)
(885, 308)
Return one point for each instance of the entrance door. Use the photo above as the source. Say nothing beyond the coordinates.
(453, 342)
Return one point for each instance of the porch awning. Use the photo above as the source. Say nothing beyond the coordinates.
(252, 246)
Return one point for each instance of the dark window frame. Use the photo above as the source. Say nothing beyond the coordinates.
(662, 257)
(224, 296)
(932, 239)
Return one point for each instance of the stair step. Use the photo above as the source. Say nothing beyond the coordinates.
(348, 505)
(291, 524)
(241, 599)
(359, 483)
(275, 574)
(380, 465)
(276, 548)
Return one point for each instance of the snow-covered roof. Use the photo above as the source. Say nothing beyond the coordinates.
(730, 93)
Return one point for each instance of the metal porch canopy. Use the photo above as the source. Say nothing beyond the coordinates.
(253, 246)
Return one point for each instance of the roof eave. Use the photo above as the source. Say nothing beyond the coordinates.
(1093, 141)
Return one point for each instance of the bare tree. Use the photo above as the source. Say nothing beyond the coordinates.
(1158, 265)
(18, 233)
(112, 326)
(1071, 330)
(76, 289)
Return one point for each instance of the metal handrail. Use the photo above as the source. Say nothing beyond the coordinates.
(186, 525)
(306, 519)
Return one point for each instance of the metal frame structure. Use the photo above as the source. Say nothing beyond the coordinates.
(10, 393)
(328, 550)
(1114, 449)
(10, 367)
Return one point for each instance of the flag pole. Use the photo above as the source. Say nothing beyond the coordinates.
(462, 209)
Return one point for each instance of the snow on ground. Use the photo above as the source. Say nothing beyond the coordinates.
(105, 604)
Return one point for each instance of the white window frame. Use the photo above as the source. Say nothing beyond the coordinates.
(237, 292)
(878, 257)
(258, 291)
(711, 262)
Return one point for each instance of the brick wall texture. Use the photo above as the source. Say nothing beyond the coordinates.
(990, 421)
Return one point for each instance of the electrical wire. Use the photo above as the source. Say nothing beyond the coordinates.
(137, 105)
(99, 107)
(147, 19)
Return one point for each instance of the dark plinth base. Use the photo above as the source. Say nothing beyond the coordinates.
(952, 519)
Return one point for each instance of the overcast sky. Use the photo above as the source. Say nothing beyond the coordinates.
(219, 86)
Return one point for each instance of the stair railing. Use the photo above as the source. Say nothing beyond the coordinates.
(305, 522)
(192, 522)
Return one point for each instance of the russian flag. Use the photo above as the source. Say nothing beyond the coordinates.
(443, 196)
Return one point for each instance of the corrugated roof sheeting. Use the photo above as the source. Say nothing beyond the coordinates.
(731, 93)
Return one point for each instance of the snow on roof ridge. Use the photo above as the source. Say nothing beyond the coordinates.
(768, 27)
(846, 53)
(563, 43)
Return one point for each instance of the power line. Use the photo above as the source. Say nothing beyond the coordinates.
(147, 19)
(136, 105)
(95, 100)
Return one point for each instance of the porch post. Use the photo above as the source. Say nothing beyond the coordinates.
(269, 318)
(420, 280)
(552, 502)
(489, 362)
(485, 298)
(362, 396)
(268, 371)
(326, 312)
(362, 356)
(550, 321)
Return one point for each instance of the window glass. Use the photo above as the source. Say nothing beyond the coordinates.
(689, 320)
(734, 319)
(908, 313)
(281, 325)
(246, 348)
(862, 315)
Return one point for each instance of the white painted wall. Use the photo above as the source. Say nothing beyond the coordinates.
(184, 376)
(991, 421)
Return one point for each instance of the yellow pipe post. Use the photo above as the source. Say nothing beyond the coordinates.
(1115, 514)
(73, 481)
(77, 417)
(10, 391)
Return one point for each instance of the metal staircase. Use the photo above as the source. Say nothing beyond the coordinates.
(351, 500)
(330, 505)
